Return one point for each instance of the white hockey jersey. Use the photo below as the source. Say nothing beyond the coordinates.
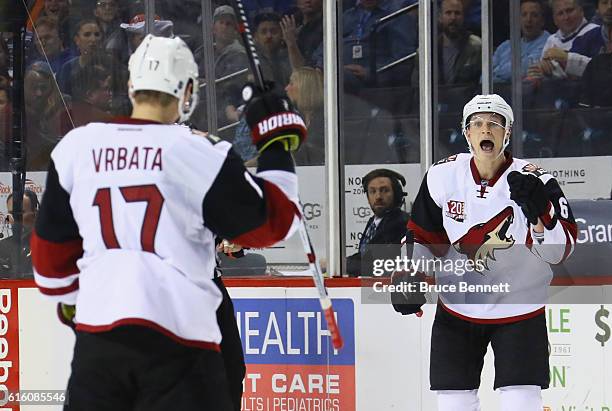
(457, 216)
(127, 224)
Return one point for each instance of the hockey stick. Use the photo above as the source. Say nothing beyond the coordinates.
(317, 275)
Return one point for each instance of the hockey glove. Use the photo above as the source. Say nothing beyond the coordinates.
(272, 120)
(403, 299)
(528, 192)
(66, 314)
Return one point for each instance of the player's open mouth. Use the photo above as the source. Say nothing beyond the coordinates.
(487, 146)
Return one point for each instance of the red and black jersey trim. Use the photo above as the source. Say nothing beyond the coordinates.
(130, 120)
(426, 222)
(502, 320)
(280, 212)
(571, 233)
(205, 345)
(235, 210)
(548, 220)
(60, 290)
(498, 174)
(56, 244)
(55, 260)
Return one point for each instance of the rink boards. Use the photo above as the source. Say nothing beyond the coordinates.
(291, 365)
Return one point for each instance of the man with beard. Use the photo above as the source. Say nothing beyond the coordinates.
(460, 54)
(384, 231)
(273, 54)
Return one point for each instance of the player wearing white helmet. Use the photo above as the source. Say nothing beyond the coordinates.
(509, 220)
(125, 238)
(167, 66)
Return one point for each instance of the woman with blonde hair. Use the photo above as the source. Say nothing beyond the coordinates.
(305, 90)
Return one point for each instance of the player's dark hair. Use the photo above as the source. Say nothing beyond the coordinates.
(397, 183)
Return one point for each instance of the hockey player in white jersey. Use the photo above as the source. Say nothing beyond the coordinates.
(126, 232)
(511, 219)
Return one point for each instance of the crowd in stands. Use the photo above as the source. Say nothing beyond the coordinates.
(77, 53)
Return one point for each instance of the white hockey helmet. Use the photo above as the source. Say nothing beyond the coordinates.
(489, 103)
(165, 65)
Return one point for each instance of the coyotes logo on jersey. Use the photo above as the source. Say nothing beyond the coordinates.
(482, 240)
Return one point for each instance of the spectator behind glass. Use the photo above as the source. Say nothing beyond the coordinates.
(302, 41)
(382, 235)
(460, 52)
(49, 45)
(58, 11)
(395, 40)
(559, 57)
(5, 98)
(230, 57)
(4, 54)
(7, 245)
(43, 111)
(87, 38)
(135, 31)
(597, 76)
(255, 7)
(5, 126)
(5, 78)
(107, 16)
(272, 52)
(532, 43)
(591, 44)
(305, 90)
(93, 96)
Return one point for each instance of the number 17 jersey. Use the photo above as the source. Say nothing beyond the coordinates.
(128, 220)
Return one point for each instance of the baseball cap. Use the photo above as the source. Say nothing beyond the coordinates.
(162, 28)
(224, 11)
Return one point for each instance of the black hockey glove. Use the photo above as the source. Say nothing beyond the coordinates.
(66, 314)
(528, 192)
(405, 301)
(272, 119)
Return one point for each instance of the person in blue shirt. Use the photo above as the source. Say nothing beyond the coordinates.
(49, 46)
(395, 39)
(532, 42)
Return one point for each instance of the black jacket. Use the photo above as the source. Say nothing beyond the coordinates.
(384, 245)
